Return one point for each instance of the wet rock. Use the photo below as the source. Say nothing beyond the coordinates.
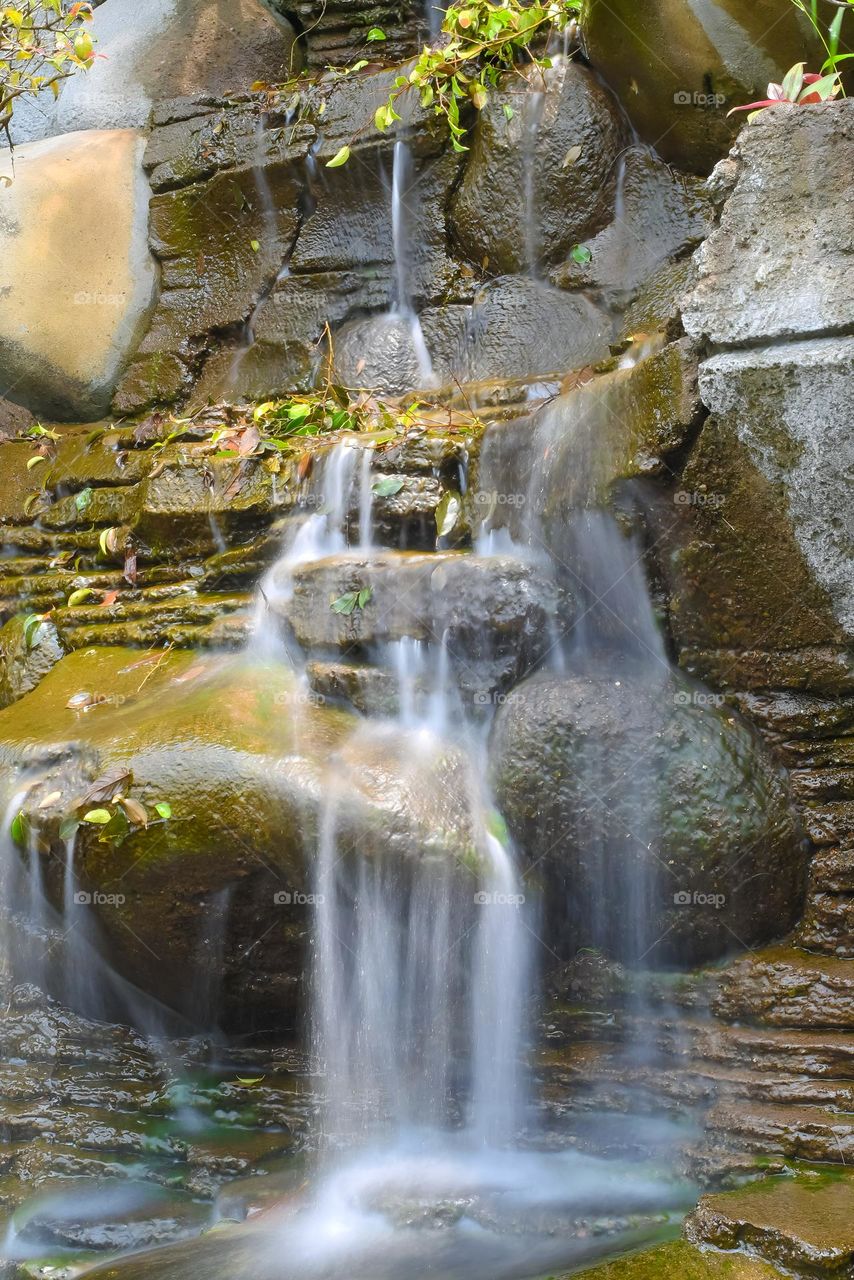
(678, 68)
(397, 354)
(804, 1224)
(337, 35)
(122, 1217)
(585, 444)
(779, 264)
(222, 51)
(521, 328)
(66, 331)
(660, 216)
(762, 551)
(683, 1260)
(26, 655)
(204, 236)
(522, 200)
(427, 598)
(241, 755)
(787, 988)
(828, 924)
(646, 785)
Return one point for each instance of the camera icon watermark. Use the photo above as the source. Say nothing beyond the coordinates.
(684, 98)
(295, 898)
(697, 898)
(698, 498)
(484, 899)
(82, 898)
(698, 698)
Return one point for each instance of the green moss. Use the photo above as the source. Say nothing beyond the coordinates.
(680, 1261)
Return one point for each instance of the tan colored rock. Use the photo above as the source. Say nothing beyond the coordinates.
(76, 276)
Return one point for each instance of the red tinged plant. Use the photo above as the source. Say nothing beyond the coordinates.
(799, 88)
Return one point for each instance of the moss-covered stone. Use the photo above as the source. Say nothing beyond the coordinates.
(680, 1261)
(804, 1224)
(244, 756)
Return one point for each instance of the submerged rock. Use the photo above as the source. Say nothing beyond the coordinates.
(77, 278)
(542, 173)
(678, 66)
(27, 653)
(659, 827)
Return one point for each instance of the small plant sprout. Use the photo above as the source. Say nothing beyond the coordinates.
(799, 88)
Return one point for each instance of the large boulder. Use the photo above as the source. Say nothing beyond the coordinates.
(542, 171)
(760, 552)
(209, 910)
(76, 275)
(169, 49)
(677, 66)
(658, 826)
(781, 263)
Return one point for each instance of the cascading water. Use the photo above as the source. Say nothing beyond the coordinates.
(403, 312)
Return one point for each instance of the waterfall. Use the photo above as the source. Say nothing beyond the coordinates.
(421, 971)
(403, 310)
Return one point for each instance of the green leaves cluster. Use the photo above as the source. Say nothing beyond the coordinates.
(42, 42)
(479, 41)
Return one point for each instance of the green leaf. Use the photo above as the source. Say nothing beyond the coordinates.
(163, 810)
(388, 486)
(36, 460)
(580, 254)
(793, 82)
(32, 623)
(98, 817)
(68, 828)
(254, 245)
(79, 597)
(83, 498)
(376, 33)
(20, 828)
(508, 111)
(447, 513)
(364, 596)
(345, 604)
(340, 157)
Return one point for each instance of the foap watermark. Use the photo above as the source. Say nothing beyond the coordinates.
(299, 698)
(82, 898)
(698, 898)
(98, 298)
(484, 899)
(698, 698)
(698, 498)
(295, 898)
(494, 698)
(492, 498)
(683, 98)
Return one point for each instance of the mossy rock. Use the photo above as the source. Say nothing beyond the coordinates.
(659, 826)
(805, 1224)
(244, 756)
(680, 1261)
